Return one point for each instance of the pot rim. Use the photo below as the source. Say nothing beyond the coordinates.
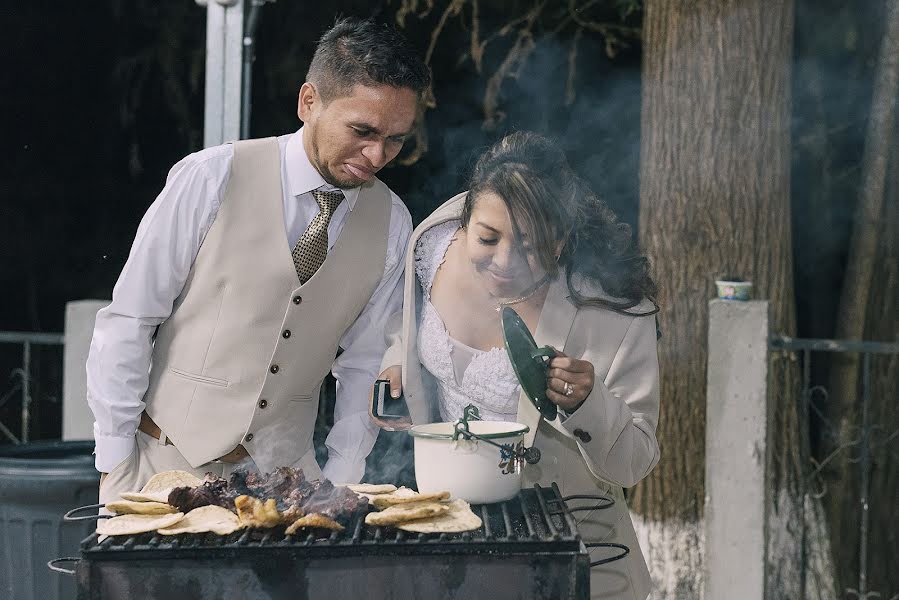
(520, 429)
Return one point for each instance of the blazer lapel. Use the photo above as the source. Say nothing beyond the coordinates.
(556, 320)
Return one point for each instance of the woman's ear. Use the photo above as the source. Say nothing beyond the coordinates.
(560, 245)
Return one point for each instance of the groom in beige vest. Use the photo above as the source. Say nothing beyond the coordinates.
(258, 264)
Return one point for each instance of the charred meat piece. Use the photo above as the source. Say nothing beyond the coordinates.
(213, 491)
(338, 503)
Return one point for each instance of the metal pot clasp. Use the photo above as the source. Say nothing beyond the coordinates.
(512, 457)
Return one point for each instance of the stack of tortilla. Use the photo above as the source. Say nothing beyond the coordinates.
(408, 510)
(148, 510)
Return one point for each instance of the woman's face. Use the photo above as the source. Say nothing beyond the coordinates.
(507, 266)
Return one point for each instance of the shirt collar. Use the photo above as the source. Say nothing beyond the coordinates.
(302, 177)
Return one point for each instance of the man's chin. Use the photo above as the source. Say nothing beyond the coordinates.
(345, 182)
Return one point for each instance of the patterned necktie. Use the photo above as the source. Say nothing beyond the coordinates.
(312, 247)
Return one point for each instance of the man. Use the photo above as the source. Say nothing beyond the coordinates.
(254, 266)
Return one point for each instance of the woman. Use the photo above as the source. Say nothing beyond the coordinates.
(530, 234)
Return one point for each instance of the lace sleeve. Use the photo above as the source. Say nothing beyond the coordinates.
(430, 250)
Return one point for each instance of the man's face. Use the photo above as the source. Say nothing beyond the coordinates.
(351, 138)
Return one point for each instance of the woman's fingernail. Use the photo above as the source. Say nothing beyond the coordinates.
(395, 393)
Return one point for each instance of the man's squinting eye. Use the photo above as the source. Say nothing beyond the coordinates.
(361, 132)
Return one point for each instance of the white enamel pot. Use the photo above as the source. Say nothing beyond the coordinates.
(471, 469)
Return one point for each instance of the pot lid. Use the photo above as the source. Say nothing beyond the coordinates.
(529, 361)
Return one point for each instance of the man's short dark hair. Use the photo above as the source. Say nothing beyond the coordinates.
(363, 51)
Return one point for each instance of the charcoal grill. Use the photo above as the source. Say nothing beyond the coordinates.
(527, 548)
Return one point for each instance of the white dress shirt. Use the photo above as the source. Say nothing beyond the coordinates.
(166, 244)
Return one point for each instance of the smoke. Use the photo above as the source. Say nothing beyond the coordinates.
(391, 460)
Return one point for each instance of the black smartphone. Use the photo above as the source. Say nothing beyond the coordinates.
(386, 409)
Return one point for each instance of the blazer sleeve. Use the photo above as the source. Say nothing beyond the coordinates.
(393, 336)
(615, 426)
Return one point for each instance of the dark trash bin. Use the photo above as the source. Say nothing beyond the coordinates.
(39, 482)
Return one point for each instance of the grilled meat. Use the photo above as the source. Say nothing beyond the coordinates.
(293, 494)
(213, 491)
(338, 503)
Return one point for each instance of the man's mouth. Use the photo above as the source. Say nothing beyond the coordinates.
(358, 172)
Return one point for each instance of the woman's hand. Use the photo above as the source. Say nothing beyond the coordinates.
(569, 381)
(394, 375)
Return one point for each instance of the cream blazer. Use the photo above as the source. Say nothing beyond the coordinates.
(607, 444)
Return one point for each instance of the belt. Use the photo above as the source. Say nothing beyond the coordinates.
(152, 429)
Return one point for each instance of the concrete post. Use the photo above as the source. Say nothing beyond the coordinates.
(736, 448)
(77, 419)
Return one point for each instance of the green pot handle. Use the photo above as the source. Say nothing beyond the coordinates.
(544, 354)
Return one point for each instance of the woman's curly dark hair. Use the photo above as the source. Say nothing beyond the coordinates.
(546, 199)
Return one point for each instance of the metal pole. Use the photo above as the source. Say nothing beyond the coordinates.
(249, 55)
(224, 35)
(26, 389)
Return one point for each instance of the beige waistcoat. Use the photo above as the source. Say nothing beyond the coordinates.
(244, 330)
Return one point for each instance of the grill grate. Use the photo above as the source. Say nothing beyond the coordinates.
(535, 520)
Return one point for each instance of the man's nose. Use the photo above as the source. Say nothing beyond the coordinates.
(376, 154)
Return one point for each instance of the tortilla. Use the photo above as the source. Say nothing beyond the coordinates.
(159, 486)
(134, 524)
(458, 518)
(397, 498)
(130, 507)
(314, 520)
(406, 512)
(167, 480)
(159, 497)
(372, 488)
(216, 519)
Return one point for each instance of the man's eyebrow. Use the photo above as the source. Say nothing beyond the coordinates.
(375, 130)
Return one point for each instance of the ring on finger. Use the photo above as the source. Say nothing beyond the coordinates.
(568, 389)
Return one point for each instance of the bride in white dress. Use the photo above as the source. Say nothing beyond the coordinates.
(530, 234)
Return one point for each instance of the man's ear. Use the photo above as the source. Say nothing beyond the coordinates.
(307, 101)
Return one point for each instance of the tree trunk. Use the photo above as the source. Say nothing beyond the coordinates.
(883, 325)
(715, 201)
(866, 283)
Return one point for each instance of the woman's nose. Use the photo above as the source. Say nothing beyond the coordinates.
(505, 258)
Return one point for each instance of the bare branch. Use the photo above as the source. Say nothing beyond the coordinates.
(570, 91)
(524, 45)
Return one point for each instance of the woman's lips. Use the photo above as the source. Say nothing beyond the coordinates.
(358, 172)
(501, 277)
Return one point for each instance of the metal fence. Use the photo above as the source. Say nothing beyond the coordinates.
(867, 438)
(21, 377)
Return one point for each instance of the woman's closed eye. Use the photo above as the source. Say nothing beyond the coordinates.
(488, 241)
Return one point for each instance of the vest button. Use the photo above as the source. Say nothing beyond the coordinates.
(274, 369)
(249, 437)
(286, 334)
(297, 299)
(263, 403)
(582, 435)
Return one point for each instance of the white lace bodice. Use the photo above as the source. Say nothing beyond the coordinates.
(464, 375)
